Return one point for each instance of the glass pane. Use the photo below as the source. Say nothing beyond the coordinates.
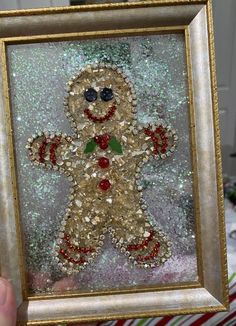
(135, 208)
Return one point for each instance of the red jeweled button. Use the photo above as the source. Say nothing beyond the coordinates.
(104, 184)
(103, 162)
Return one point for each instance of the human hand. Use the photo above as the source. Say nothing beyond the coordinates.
(7, 304)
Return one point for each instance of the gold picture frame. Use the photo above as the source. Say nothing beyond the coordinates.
(192, 18)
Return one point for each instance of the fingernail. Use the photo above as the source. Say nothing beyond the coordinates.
(3, 292)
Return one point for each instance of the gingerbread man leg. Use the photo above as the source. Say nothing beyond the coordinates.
(143, 243)
(81, 236)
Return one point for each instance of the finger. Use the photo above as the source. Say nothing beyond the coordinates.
(39, 281)
(7, 303)
(66, 284)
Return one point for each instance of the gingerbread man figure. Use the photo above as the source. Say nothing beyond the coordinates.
(103, 162)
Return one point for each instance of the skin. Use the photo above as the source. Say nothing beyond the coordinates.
(7, 304)
(8, 309)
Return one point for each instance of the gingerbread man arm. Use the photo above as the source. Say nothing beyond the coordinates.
(160, 138)
(48, 149)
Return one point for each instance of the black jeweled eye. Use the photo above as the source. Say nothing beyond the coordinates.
(106, 94)
(90, 94)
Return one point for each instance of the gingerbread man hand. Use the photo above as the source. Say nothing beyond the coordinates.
(49, 149)
(103, 163)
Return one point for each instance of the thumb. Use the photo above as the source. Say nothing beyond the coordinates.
(7, 304)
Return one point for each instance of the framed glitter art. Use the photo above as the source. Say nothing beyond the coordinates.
(111, 193)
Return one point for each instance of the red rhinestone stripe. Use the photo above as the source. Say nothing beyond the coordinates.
(42, 150)
(159, 139)
(102, 119)
(84, 250)
(70, 259)
(152, 255)
(53, 148)
(142, 245)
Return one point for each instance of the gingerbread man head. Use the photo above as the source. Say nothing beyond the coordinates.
(100, 95)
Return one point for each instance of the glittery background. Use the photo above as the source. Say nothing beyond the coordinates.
(38, 75)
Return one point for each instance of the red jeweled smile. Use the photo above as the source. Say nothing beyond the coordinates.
(103, 118)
